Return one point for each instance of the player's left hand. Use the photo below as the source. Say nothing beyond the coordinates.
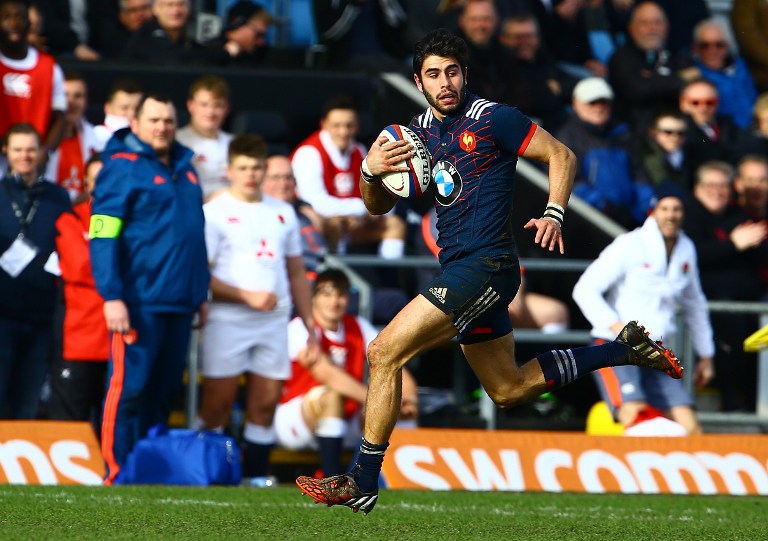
(548, 233)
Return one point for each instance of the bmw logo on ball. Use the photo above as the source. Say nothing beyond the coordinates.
(447, 182)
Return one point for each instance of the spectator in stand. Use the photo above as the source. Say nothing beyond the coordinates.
(728, 72)
(165, 39)
(148, 258)
(70, 26)
(649, 273)
(749, 21)
(29, 208)
(112, 36)
(321, 401)
(208, 106)
(79, 376)
(536, 86)
(258, 278)
(35, 37)
(605, 178)
(119, 109)
(66, 165)
(568, 40)
(244, 36)
(751, 186)
(326, 165)
(644, 74)
(757, 135)
(479, 26)
(661, 155)
(363, 35)
(709, 136)
(19, 63)
(729, 250)
(280, 183)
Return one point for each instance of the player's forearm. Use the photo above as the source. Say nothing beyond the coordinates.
(377, 199)
(224, 292)
(301, 292)
(562, 171)
(338, 380)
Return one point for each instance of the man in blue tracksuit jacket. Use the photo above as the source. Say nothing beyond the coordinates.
(150, 265)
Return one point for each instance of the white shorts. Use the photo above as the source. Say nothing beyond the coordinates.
(293, 433)
(232, 348)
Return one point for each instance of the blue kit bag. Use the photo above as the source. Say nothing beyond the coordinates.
(182, 457)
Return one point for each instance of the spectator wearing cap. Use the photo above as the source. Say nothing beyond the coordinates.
(604, 179)
(730, 247)
(244, 36)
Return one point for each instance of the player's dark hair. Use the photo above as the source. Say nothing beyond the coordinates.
(127, 85)
(341, 101)
(335, 277)
(247, 144)
(162, 98)
(440, 42)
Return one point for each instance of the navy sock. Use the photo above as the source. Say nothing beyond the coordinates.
(369, 462)
(330, 454)
(255, 459)
(562, 366)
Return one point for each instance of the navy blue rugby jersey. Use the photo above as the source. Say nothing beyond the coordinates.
(474, 156)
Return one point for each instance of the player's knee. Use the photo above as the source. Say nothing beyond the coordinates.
(380, 355)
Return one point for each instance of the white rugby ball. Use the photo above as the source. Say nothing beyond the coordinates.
(414, 182)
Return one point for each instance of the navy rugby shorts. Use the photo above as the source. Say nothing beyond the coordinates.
(476, 293)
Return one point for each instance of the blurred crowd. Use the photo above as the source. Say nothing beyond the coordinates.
(645, 93)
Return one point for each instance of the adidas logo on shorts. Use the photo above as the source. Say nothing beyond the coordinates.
(439, 293)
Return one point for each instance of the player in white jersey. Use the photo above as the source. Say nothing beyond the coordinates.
(254, 251)
(208, 106)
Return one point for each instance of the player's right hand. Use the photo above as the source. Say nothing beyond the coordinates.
(116, 315)
(548, 233)
(265, 301)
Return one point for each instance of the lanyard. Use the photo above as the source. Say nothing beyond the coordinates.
(24, 221)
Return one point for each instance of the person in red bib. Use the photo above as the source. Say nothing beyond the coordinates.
(321, 401)
(31, 82)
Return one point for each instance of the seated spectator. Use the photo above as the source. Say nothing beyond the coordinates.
(35, 36)
(244, 35)
(729, 73)
(365, 36)
(165, 40)
(757, 134)
(709, 136)
(208, 106)
(605, 178)
(29, 208)
(749, 22)
(67, 26)
(66, 165)
(327, 168)
(119, 109)
(643, 73)
(568, 40)
(43, 104)
(78, 379)
(661, 155)
(322, 400)
(535, 85)
(111, 40)
(751, 186)
(729, 250)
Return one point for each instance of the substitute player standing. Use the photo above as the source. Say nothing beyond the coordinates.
(474, 145)
(254, 250)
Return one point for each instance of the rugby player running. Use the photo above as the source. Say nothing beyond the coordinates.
(474, 144)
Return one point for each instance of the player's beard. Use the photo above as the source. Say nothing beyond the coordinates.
(445, 111)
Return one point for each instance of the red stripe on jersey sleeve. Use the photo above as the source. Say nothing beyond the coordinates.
(527, 139)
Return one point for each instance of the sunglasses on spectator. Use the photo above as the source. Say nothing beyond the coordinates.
(712, 45)
(712, 102)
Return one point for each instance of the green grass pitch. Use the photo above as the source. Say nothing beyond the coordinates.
(219, 513)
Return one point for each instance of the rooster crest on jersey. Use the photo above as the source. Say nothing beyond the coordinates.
(415, 181)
